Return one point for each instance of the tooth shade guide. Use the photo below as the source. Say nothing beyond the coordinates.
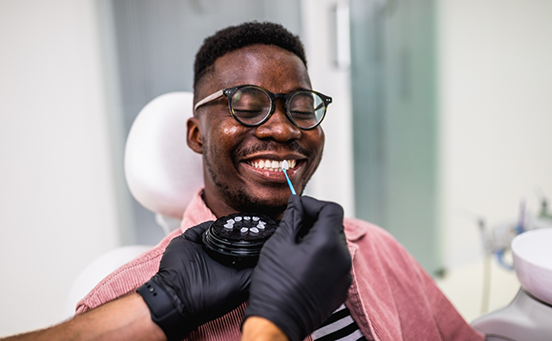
(285, 165)
(240, 245)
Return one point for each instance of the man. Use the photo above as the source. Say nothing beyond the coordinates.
(235, 128)
(252, 95)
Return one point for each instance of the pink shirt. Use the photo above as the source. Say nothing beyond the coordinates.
(391, 298)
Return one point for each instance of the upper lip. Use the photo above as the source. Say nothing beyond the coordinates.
(276, 157)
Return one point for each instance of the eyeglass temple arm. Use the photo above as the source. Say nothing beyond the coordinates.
(209, 98)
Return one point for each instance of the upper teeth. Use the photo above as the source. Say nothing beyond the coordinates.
(272, 165)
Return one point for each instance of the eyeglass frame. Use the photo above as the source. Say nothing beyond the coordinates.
(229, 93)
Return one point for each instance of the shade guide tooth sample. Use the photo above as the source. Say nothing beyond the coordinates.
(285, 167)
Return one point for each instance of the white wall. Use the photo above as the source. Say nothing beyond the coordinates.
(334, 179)
(57, 201)
(495, 86)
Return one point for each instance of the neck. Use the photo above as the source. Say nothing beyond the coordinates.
(217, 206)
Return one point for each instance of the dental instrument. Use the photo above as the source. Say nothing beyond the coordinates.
(285, 166)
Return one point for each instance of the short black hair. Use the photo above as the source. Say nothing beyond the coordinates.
(236, 37)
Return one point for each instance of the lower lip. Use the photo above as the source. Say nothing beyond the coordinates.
(274, 176)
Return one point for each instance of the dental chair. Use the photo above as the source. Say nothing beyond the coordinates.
(162, 174)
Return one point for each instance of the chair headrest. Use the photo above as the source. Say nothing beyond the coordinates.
(162, 172)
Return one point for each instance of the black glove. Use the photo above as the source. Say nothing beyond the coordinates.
(303, 273)
(191, 288)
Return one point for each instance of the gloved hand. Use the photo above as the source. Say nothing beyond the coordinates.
(300, 280)
(191, 288)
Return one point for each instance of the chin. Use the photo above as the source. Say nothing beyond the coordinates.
(273, 206)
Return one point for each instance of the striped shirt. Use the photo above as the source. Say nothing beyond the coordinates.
(339, 327)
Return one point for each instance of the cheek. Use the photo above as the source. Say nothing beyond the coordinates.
(316, 140)
(230, 130)
(224, 140)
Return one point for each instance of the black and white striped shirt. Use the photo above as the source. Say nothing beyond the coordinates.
(339, 327)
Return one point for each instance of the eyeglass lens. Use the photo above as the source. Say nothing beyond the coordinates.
(251, 105)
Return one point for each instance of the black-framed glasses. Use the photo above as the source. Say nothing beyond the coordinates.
(252, 105)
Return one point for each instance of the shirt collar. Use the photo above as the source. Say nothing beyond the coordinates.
(196, 212)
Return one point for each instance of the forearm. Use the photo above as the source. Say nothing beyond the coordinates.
(127, 318)
(260, 329)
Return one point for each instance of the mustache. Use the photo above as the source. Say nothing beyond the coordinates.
(270, 146)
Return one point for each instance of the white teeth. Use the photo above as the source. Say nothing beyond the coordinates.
(272, 165)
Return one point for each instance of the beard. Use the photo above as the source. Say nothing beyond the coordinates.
(238, 197)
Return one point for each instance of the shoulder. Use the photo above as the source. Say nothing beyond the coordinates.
(357, 230)
(374, 244)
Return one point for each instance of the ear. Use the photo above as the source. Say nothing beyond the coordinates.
(193, 135)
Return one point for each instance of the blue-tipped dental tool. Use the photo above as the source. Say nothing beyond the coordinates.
(285, 166)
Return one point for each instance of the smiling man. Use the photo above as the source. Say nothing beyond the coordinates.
(254, 108)
(254, 131)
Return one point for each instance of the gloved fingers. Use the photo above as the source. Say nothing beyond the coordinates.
(327, 216)
(245, 277)
(195, 233)
(327, 230)
(312, 206)
(291, 223)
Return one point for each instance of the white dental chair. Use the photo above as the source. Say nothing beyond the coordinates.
(162, 173)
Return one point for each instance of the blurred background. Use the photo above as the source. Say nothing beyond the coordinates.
(440, 129)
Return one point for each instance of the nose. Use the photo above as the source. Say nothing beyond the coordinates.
(278, 127)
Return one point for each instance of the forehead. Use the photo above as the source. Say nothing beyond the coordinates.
(268, 66)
